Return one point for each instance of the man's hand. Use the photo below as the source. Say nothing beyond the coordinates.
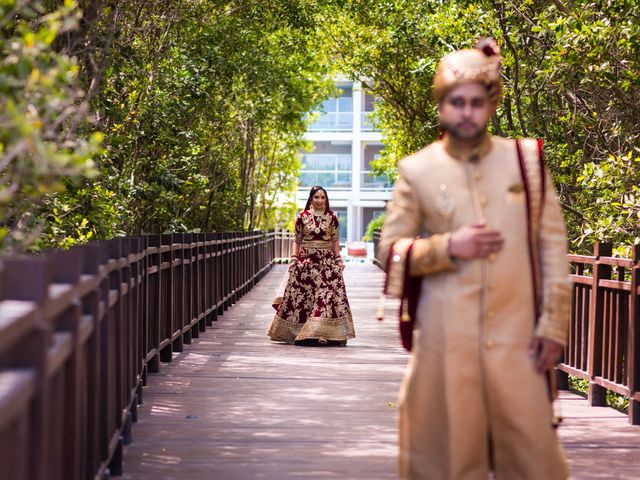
(475, 241)
(545, 354)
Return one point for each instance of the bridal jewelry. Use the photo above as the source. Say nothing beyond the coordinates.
(315, 222)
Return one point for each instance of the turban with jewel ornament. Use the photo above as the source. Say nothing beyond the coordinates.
(471, 65)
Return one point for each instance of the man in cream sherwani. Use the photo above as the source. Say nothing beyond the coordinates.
(475, 397)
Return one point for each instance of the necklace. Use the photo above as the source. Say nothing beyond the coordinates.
(316, 224)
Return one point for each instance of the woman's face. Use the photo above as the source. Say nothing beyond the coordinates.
(319, 200)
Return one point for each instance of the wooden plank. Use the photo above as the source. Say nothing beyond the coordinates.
(17, 318)
(616, 261)
(582, 279)
(236, 405)
(598, 441)
(615, 284)
(17, 387)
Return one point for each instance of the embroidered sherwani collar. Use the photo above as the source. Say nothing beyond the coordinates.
(464, 152)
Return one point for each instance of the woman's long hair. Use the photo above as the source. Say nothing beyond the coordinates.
(312, 192)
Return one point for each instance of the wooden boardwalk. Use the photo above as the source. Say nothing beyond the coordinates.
(234, 405)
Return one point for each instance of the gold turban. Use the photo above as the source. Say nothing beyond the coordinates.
(472, 65)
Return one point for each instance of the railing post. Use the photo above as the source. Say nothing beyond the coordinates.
(597, 395)
(562, 379)
(203, 282)
(235, 266)
(152, 305)
(67, 268)
(93, 259)
(28, 279)
(167, 300)
(139, 280)
(181, 289)
(633, 348)
(219, 274)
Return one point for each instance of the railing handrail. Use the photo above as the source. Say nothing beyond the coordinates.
(604, 336)
(81, 329)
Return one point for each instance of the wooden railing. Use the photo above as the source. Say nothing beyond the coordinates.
(81, 329)
(283, 245)
(604, 336)
(376, 255)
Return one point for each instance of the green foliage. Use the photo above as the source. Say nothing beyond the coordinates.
(579, 385)
(193, 113)
(569, 74)
(203, 111)
(41, 109)
(201, 106)
(614, 185)
(375, 224)
(394, 47)
(614, 400)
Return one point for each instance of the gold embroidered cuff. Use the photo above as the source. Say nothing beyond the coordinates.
(431, 255)
(396, 267)
(556, 311)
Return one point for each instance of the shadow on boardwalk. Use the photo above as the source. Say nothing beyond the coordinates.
(235, 405)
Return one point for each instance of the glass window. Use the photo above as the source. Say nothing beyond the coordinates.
(371, 153)
(341, 213)
(331, 170)
(318, 162)
(375, 182)
(330, 105)
(337, 113)
(344, 162)
(307, 179)
(369, 102)
(345, 104)
(344, 179)
(368, 106)
(325, 178)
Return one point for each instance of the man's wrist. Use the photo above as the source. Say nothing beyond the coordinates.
(452, 257)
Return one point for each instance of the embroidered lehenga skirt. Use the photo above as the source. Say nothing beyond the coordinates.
(314, 303)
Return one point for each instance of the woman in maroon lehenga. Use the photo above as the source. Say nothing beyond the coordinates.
(314, 308)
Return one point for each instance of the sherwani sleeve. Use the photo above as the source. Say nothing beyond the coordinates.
(553, 323)
(403, 220)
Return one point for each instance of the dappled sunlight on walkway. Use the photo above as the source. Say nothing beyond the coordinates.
(236, 406)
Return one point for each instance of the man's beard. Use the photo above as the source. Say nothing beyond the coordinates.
(458, 134)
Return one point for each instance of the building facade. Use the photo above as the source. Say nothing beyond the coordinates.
(344, 144)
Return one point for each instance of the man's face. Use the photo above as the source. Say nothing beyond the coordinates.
(465, 111)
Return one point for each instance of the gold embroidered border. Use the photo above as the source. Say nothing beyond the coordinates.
(320, 244)
(532, 165)
(531, 157)
(337, 329)
(430, 255)
(554, 322)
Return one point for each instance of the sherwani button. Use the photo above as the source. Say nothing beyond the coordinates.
(492, 257)
(489, 343)
(483, 200)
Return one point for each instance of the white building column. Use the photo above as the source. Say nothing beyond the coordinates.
(356, 164)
